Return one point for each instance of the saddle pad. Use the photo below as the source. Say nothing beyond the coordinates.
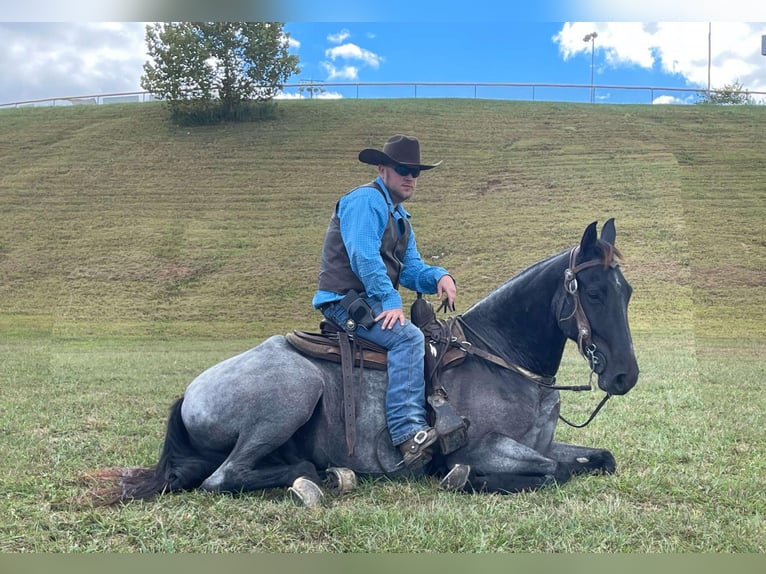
(325, 346)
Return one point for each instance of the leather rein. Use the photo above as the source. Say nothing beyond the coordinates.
(585, 346)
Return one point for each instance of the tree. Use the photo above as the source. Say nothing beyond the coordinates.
(730, 94)
(216, 70)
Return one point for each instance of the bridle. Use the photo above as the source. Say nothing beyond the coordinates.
(585, 345)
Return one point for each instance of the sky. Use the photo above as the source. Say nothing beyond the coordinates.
(47, 59)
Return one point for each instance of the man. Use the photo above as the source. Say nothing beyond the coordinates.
(370, 249)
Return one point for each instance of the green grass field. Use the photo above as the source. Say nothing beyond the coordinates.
(135, 254)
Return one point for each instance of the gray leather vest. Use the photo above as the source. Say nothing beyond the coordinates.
(335, 273)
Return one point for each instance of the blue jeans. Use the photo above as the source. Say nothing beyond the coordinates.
(405, 396)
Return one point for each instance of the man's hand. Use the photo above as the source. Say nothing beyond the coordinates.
(446, 289)
(390, 318)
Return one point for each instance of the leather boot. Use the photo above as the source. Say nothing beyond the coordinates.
(416, 451)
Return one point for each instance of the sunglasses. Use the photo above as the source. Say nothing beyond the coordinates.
(404, 170)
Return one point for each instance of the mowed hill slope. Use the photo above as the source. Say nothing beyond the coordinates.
(115, 222)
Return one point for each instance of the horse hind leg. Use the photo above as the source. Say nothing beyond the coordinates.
(582, 460)
(302, 478)
(254, 464)
(235, 478)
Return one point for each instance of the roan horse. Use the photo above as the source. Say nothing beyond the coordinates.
(272, 417)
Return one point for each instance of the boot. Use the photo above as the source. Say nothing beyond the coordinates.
(415, 451)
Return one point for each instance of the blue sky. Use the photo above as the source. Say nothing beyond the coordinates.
(480, 42)
(669, 54)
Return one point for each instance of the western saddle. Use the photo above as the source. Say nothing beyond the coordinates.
(444, 340)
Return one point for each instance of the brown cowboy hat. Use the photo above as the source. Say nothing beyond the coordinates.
(399, 149)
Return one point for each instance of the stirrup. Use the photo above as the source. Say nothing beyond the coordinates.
(452, 428)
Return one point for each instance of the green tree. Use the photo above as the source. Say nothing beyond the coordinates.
(208, 71)
(730, 94)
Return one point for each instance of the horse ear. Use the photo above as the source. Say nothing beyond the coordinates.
(588, 238)
(608, 232)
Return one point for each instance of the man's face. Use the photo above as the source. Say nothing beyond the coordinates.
(401, 187)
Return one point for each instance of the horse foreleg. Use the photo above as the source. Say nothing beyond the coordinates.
(581, 459)
(501, 464)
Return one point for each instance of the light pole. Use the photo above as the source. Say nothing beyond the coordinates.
(592, 39)
(709, 52)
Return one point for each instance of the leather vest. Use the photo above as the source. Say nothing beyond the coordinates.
(335, 273)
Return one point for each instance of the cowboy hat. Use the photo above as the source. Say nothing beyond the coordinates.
(399, 149)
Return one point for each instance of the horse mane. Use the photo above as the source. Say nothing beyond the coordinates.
(606, 253)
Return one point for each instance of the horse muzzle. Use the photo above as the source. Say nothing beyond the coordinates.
(618, 383)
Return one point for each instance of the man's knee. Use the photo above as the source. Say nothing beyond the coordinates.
(413, 334)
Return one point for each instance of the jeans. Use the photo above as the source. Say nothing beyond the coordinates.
(405, 395)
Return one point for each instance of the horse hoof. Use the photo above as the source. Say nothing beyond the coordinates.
(341, 480)
(305, 492)
(456, 478)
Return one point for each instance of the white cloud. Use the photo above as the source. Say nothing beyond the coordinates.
(676, 48)
(340, 37)
(353, 52)
(70, 59)
(668, 100)
(354, 59)
(343, 73)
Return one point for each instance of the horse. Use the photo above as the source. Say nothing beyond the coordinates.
(272, 417)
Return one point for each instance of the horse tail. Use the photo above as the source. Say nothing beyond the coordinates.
(181, 467)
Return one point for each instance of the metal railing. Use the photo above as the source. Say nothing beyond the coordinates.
(603, 93)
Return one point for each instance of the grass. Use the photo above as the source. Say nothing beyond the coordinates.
(135, 254)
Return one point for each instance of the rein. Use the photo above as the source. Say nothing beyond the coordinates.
(585, 345)
(543, 381)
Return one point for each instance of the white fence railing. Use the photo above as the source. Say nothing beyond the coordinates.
(611, 94)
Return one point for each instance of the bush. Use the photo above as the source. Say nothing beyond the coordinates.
(207, 112)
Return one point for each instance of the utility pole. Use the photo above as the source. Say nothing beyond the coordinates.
(592, 39)
(709, 51)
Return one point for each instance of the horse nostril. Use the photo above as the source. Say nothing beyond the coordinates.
(622, 383)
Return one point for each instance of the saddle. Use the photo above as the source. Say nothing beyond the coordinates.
(327, 345)
(443, 350)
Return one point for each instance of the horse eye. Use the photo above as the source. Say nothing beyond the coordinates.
(593, 294)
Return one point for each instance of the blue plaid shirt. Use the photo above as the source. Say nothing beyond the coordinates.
(363, 217)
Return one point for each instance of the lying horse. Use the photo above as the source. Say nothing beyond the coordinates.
(273, 417)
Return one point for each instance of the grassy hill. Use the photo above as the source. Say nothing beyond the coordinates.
(134, 253)
(113, 220)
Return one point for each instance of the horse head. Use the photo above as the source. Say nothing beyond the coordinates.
(593, 309)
